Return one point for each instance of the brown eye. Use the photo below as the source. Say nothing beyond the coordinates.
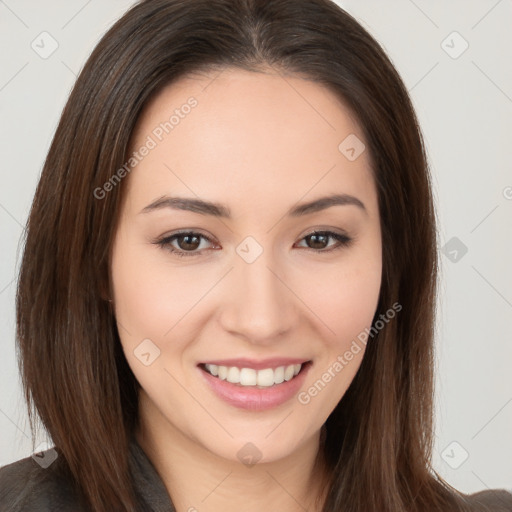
(183, 244)
(188, 242)
(319, 240)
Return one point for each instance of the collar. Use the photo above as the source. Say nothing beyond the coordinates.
(148, 484)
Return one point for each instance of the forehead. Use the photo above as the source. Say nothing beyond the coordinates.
(248, 136)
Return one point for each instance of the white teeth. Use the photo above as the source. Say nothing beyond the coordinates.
(279, 375)
(213, 369)
(233, 375)
(265, 377)
(223, 372)
(251, 377)
(248, 377)
(288, 372)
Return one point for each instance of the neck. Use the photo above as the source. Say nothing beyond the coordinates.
(198, 480)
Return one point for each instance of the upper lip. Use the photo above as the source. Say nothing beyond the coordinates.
(243, 362)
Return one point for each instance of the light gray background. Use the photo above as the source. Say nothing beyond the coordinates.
(464, 105)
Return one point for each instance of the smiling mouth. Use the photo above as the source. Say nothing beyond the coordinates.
(249, 377)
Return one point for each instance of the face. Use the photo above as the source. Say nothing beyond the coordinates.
(256, 286)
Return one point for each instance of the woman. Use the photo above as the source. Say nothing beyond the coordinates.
(226, 299)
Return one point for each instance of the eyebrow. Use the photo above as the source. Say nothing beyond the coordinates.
(219, 210)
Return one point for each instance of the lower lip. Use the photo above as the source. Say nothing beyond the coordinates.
(256, 399)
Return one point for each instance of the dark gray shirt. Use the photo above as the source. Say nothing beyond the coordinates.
(25, 486)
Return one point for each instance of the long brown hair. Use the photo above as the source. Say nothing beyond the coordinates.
(379, 438)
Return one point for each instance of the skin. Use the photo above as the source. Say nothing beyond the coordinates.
(258, 143)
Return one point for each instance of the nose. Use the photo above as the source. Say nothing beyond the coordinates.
(260, 305)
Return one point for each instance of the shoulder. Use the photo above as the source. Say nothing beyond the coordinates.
(492, 500)
(38, 482)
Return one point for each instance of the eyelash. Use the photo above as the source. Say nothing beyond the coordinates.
(165, 242)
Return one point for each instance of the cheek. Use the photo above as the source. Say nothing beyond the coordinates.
(346, 296)
(151, 304)
(150, 296)
(347, 308)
